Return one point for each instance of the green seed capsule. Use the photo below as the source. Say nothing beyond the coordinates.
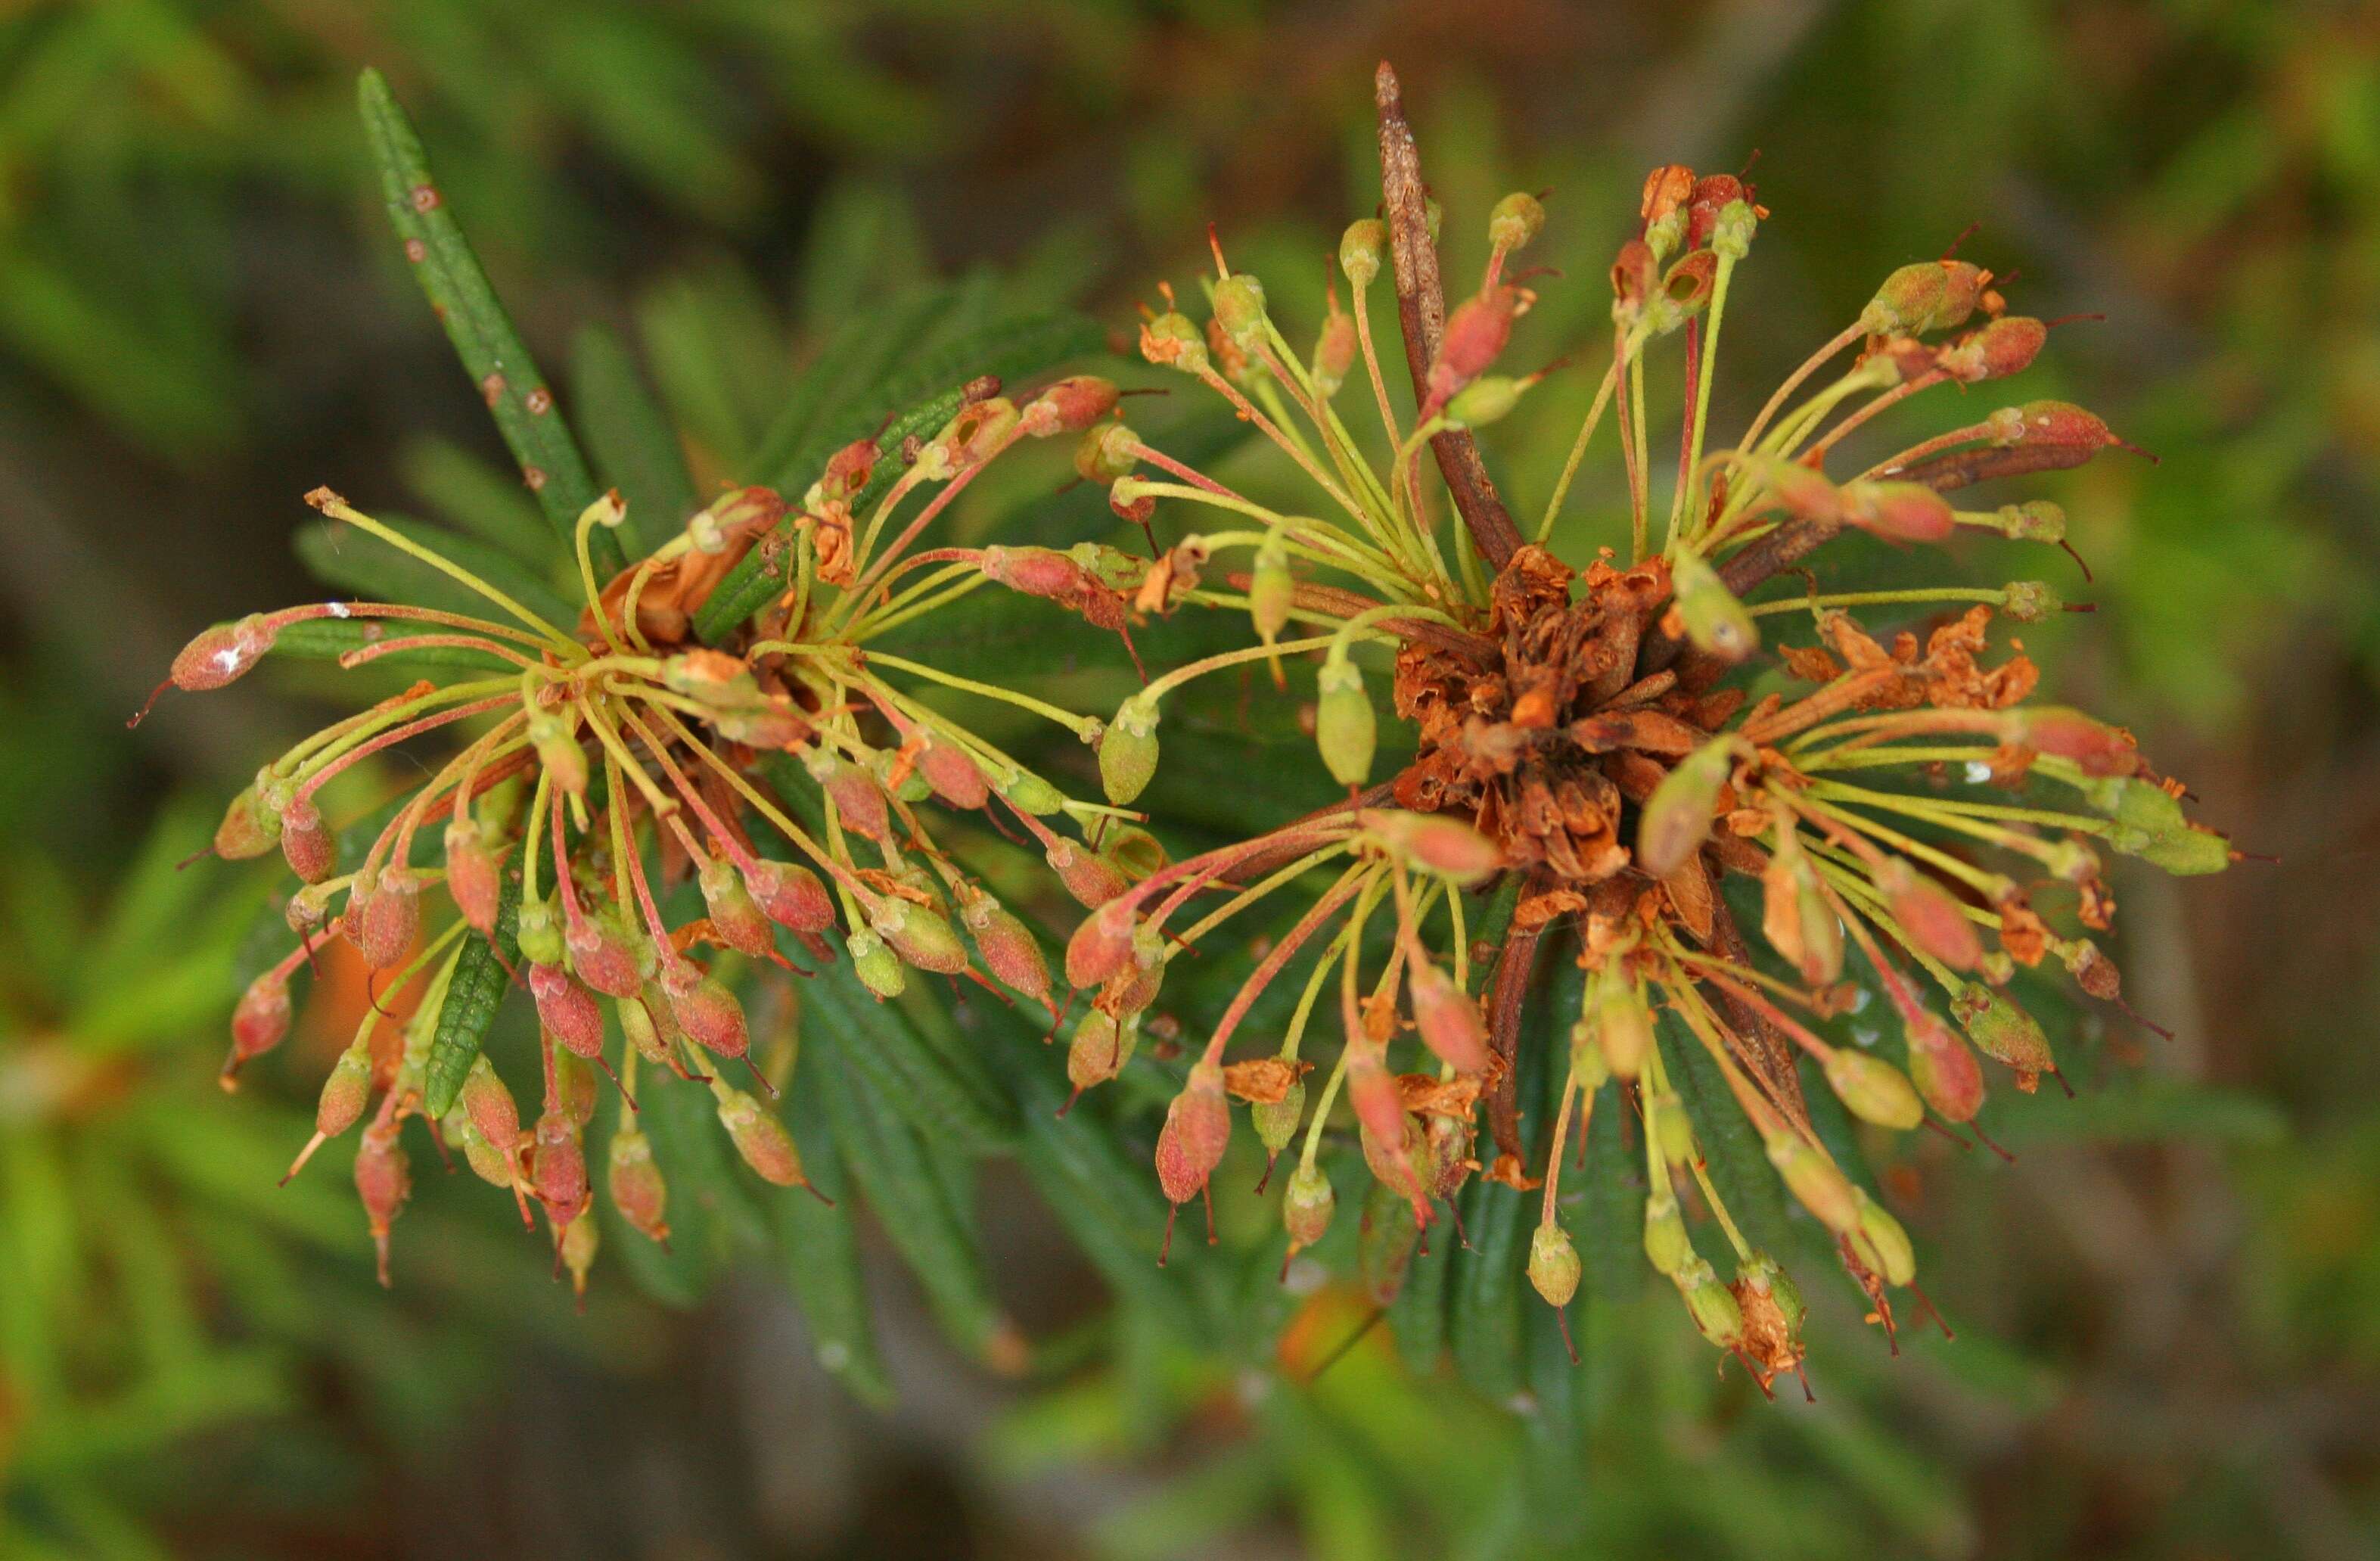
(1276, 1121)
(1874, 1090)
(1714, 620)
(1240, 310)
(1622, 1027)
(1489, 398)
(1030, 794)
(1343, 723)
(1128, 752)
(1273, 591)
(1881, 1243)
(877, 966)
(1306, 1206)
(1711, 1304)
(1515, 220)
(1362, 250)
(1553, 1266)
(1677, 817)
(1666, 1246)
(2003, 1031)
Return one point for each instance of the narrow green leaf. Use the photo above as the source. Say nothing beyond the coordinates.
(492, 350)
(819, 1245)
(482, 973)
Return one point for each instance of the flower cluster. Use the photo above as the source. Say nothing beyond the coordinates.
(734, 662)
(1582, 745)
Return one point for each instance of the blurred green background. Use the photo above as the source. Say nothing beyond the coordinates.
(2170, 1318)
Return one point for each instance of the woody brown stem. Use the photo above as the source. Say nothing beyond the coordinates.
(1509, 991)
(1421, 314)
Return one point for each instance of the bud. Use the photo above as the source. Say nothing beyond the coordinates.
(247, 829)
(1666, 1246)
(258, 1022)
(2004, 1032)
(221, 655)
(920, 936)
(877, 968)
(1929, 914)
(1672, 1131)
(1816, 1183)
(1623, 1029)
(1880, 1242)
(1197, 1129)
(1873, 1089)
(382, 1182)
(1361, 249)
(635, 1185)
(1711, 1304)
(1069, 405)
(1900, 511)
(1448, 1019)
(1343, 722)
(488, 1105)
(1714, 619)
(1273, 591)
(1440, 844)
(558, 1168)
(1553, 1266)
(704, 1008)
(392, 918)
(1514, 220)
(1677, 817)
(1306, 1205)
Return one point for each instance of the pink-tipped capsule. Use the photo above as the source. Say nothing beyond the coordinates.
(1930, 914)
(761, 1139)
(306, 841)
(705, 1009)
(1039, 571)
(471, 878)
(638, 1188)
(558, 1168)
(1477, 333)
(1448, 1019)
(1445, 846)
(2004, 347)
(1091, 878)
(1101, 947)
(567, 1010)
(391, 919)
(1197, 1129)
(791, 895)
(2098, 749)
(224, 654)
(736, 917)
(258, 1024)
(1943, 1068)
(383, 1181)
(339, 1107)
(2054, 425)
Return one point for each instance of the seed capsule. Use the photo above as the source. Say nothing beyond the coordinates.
(1879, 1241)
(1666, 1246)
(391, 919)
(1273, 591)
(920, 936)
(221, 655)
(1448, 1019)
(1514, 220)
(258, 1022)
(1873, 1089)
(1677, 817)
(1816, 1183)
(1929, 914)
(877, 968)
(1909, 512)
(1711, 1304)
(471, 874)
(1715, 622)
(761, 1139)
(1103, 945)
(382, 1182)
(306, 841)
(558, 1168)
(1306, 1205)
(1069, 405)
(2004, 1032)
(1276, 1121)
(1197, 1129)
(248, 828)
(1622, 1027)
(1362, 250)
(489, 1106)
(1445, 846)
(601, 952)
(540, 932)
(791, 895)
(1343, 723)
(1553, 1266)
(1128, 752)
(635, 1184)
(705, 1009)
(1240, 310)
(1090, 877)
(735, 917)
(566, 1010)
(1943, 1068)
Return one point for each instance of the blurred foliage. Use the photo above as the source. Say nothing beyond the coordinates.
(2165, 1310)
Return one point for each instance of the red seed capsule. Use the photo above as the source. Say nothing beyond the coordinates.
(854, 793)
(1010, 950)
(1475, 336)
(1101, 947)
(1930, 915)
(223, 654)
(1445, 846)
(735, 917)
(953, 774)
(761, 1139)
(2098, 749)
(791, 895)
(1039, 571)
(558, 1168)
(1197, 1129)
(601, 954)
(2005, 347)
(636, 1185)
(1943, 1068)
(391, 920)
(1070, 406)
(471, 874)
(567, 1010)
(306, 841)
(382, 1182)
(490, 1105)
(259, 1023)
(705, 1009)
(1448, 1019)
(1091, 878)
(1910, 512)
